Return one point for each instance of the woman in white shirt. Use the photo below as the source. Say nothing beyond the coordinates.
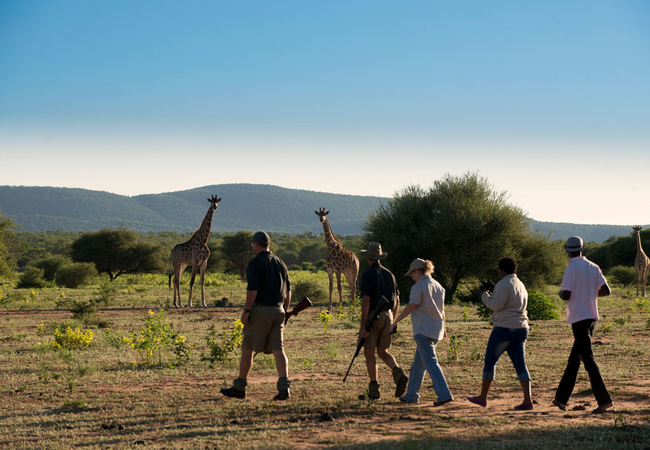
(427, 309)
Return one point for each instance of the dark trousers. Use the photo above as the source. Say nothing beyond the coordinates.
(582, 351)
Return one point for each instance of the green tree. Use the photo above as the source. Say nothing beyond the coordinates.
(73, 275)
(623, 275)
(116, 252)
(6, 234)
(463, 226)
(236, 250)
(51, 265)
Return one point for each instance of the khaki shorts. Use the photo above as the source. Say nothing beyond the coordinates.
(264, 330)
(379, 332)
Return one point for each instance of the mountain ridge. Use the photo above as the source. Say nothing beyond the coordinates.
(244, 207)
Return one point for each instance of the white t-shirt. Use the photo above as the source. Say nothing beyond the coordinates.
(583, 278)
(428, 317)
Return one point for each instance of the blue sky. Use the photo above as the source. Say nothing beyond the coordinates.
(548, 100)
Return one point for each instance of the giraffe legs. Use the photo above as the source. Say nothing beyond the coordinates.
(194, 271)
(202, 277)
(338, 286)
(178, 272)
(330, 274)
(645, 278)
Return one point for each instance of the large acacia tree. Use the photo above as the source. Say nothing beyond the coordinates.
(464, 227)
(117, 252)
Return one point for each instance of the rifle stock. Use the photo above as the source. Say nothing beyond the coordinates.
(381, 305)
(303, 304)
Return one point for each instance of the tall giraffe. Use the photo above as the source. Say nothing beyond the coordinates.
(338, 260)
(193, 253)
(641, 262)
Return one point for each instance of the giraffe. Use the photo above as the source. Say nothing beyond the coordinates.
(338, 260)
(641, 262)
(193, 253)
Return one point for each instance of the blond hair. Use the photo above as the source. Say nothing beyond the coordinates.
(428, 268)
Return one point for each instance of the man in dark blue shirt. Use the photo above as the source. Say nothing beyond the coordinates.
(268, 296)
(377, 281)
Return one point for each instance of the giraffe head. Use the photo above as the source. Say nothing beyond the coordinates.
(321, 213)
(214, 200)
(636, 229)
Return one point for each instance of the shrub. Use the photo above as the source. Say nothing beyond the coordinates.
(75, 274)
(623, 275)
(541, 307)
(309, 286)
(155, 336)
(67, 338)
(223, 346)
(51, 265)
(31, 278)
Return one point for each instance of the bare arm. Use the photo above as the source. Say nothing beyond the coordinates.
(250, 299)
(565, 295)
(405, 312)
(604, 291)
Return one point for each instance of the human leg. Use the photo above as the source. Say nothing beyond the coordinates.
(517, 353)
(427, 351)
(584, 334)
(238, 389)
(416, 376)
(568, 380)
(497, 344)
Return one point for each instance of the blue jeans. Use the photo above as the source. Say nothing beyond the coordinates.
(512, 340)
(425, 359)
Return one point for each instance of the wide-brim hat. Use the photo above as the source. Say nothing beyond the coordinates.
(374, 251)
(574, 244)
(416, 264)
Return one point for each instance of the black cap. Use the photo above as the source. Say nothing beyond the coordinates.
(261, 237)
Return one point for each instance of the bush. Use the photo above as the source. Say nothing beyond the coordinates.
(76, 274)
(623, 275)
(309, 286)
(541, 307)
(51, 265)
(31, 278)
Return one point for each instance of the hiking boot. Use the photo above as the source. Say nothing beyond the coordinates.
(284, 394)
(232, 392)
(401, 381)
(238, 389)
(373, 392)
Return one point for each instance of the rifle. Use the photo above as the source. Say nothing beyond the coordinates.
(383, 302)
(303, 304)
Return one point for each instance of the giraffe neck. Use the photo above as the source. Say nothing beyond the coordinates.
(203, 233)
(331, 240)
(639, 249)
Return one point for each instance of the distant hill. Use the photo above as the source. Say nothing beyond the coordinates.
(244, 207)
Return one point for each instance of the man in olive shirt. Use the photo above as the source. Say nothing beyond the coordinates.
(268, 296)
(377, 281)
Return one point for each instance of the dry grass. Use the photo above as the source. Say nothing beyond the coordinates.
(99, 397)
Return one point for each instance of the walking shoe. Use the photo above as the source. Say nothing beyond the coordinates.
(284, 394)
(443, 402)
(373, 392)
(232, 392)
(559, 404)
(404, 400)
(477, 401)
(401, 381)
(604, 409)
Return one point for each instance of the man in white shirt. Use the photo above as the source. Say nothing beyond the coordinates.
(582, 284)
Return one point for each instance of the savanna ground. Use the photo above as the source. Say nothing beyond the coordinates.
(106, 395)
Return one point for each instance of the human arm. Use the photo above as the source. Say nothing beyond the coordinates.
(365, 310)
(405, 312)
(604, 291)
(499, 297)
(250, 299)
(565, 295)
